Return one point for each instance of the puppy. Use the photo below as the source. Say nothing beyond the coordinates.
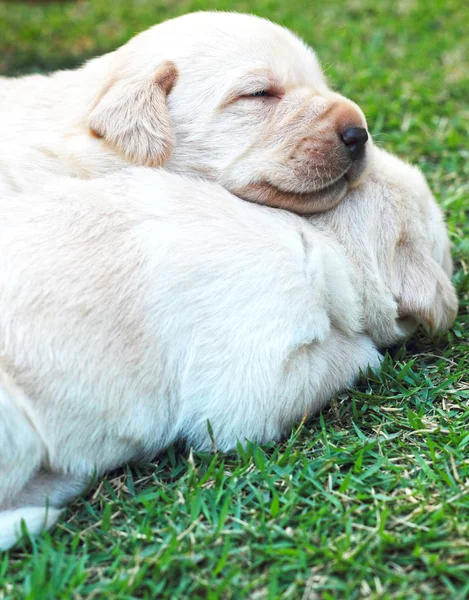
(137, 308)
(232, 98)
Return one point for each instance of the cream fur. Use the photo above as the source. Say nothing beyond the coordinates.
(137, 307)
(180, 94)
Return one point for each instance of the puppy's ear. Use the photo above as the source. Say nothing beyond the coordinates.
(132, 117)
(422, 289)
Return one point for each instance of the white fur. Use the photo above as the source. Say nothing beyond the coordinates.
(35, 518)
(178, 94)
(136, 308)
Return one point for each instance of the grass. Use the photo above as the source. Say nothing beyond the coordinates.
(370, 499)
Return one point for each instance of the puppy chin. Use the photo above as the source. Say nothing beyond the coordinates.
(302, 204)
(308, 203)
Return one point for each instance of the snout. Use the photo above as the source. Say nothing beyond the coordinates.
(333, 155)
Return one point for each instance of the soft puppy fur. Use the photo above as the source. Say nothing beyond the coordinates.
(232, 98)
(136, 308)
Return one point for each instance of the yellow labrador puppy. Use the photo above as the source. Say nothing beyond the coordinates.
(229, 97)
(138, 307)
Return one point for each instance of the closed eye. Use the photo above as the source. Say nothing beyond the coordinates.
(269, 94)
(259, 94)
(257, 84)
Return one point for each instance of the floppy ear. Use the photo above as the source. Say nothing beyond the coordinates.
(422, 289)
(132, 117)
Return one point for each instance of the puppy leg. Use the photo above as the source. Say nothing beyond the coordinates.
(22, 449)
(266, 399)
(36, 519)
(38, 505)
(23, 490)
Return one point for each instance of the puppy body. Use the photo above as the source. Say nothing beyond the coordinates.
(232, 98)
(44, 127)
(155, 304)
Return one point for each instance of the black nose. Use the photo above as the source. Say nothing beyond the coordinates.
(355, 139)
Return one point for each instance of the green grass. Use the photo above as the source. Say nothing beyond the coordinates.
(369, 500)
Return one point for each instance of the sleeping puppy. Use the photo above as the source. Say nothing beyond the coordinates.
(232, 98)
(139, 307)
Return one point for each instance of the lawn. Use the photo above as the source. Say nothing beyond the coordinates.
(371, 498)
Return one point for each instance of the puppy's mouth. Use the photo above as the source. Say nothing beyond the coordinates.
(306, 203)
(303, 204)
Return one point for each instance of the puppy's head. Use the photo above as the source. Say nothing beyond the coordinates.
(245, 102)
(395, 235)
